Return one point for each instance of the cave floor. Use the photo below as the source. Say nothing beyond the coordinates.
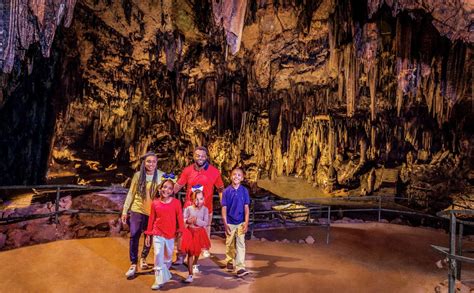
(370, 257)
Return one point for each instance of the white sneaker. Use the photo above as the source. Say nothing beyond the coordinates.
(196, 269)
(131, 271)
(155, 286)
(206, 253)
(143, 264)
(189, 279)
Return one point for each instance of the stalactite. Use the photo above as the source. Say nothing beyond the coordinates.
(350, 78)
(222, 114)
(274, 113)
(332, 142)
(231, 15)
(372, 76)
(368, 51)
(237, 106)
(25, 22)
(209, 98)
(173, 48)
(457, 74)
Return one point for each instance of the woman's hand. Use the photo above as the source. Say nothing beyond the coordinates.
(178, 234)
(147, 240)
(124, 219)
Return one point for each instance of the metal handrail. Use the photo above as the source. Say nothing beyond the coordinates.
(306, 201)
(455, 259)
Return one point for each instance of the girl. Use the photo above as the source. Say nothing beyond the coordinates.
(166, 212)
(196, 218)
(140, 195)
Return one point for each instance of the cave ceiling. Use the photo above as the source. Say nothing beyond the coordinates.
(293, 87)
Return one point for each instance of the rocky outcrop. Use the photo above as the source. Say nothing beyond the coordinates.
(83, 216)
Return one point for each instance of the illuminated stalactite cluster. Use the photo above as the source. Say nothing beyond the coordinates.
(331, 91)
(27, 22)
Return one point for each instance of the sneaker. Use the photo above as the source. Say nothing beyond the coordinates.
(206, 253)
(229, 267)
(242, 272)
(189, 279)
(144, 264)
(131, 271)
(196, 269)
(155, 286)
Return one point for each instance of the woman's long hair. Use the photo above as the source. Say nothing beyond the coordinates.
(142, 178)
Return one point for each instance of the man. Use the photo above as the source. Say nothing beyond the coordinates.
(201, 173)
(204, 174)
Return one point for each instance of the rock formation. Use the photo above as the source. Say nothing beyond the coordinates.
(327, 90)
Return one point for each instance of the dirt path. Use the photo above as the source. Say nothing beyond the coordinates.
(360, 258)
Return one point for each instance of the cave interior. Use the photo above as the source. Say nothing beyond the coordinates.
(354, 97)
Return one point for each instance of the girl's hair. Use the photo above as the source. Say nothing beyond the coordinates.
(194, 194)
(142, 178)
(163, 183)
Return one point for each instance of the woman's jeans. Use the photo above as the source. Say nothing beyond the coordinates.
(138, 225)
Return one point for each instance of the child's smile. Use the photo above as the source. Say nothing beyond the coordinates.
(167, 190)
(237, 177)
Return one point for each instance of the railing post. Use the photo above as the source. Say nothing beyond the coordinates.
(461, 232)
(452, 251)
(329, 225)
(253, 220)
(57, 205)
(380, 207)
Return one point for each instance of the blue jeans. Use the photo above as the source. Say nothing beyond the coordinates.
(138, 225)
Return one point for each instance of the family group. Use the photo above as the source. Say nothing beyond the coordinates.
(152, 209)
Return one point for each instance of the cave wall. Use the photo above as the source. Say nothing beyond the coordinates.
(325, 90)
(34, 94)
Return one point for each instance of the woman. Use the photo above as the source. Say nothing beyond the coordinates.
(142, 190)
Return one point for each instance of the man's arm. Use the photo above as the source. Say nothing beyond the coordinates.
(220, 196)
(177, 188)
(183, 178)
(219, 184)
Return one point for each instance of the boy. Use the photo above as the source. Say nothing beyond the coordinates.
(235, 214)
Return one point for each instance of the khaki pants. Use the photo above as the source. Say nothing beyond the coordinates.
(235, 246)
